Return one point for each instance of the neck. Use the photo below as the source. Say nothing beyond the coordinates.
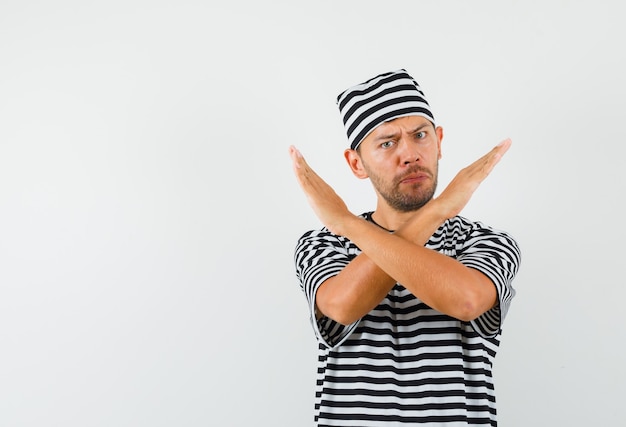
(389, 218)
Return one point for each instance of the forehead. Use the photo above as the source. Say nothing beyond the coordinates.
(401, 124)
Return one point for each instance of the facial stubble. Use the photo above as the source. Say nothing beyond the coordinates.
(409, 199)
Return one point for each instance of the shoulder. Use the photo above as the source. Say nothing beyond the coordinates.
(319, 235)
(461, 233)
(482, 237)
(460, 225)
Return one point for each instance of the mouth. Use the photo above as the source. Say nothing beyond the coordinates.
(414, 178)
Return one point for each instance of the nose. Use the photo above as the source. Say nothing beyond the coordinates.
(409, 151)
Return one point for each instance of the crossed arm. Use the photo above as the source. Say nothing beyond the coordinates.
(440, 281)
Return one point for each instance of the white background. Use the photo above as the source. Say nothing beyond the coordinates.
(148, 211)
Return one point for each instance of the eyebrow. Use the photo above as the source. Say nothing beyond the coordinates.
(395, 134)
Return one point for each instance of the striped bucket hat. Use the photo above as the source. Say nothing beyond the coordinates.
(379, 100)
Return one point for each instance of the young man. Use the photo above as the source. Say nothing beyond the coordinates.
(407, 301)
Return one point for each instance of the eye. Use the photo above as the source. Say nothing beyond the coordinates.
(387, 144)
(420, 135)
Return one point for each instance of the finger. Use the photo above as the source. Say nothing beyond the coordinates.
(497, 151)
(482, 167)
(309, 181)
(298, 165)
(502, 148)
(296, 156)
(489, 160)
(496, 154)
(301, 167)
(505, 144)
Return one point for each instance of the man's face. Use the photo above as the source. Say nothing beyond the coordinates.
(401, 159)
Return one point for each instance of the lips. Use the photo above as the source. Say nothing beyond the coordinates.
(414, 177)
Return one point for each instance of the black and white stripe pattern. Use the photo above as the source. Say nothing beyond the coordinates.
(378, 100)
(404, 362)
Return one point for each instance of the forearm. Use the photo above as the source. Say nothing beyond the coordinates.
(440, 281)
(362, 285)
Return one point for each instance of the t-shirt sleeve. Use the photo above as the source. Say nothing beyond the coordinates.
(497, 255)
(320, 255)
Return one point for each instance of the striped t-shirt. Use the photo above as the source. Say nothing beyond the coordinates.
(404, 363)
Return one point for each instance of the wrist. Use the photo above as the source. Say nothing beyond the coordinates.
(349, 225)
(339, 224)
(437, 211)
(425, 222)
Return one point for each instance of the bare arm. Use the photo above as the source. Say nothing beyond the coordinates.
(362, 284)
(440, 281)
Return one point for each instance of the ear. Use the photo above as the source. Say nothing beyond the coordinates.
(356, 164)
(439, 132)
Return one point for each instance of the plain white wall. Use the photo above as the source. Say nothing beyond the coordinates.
(148, 212)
